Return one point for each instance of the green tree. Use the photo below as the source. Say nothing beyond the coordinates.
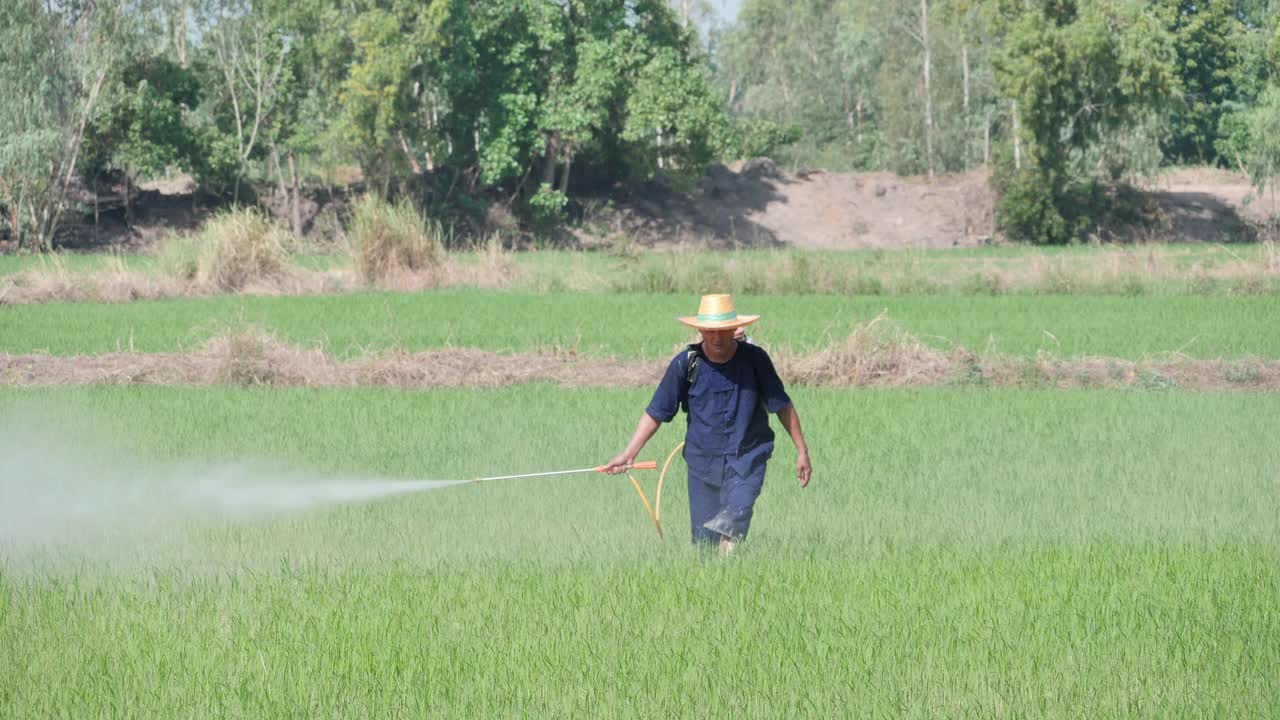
(54, 61)
(1077, 71)
(244, 59)
(385, 97)
(141, 126)
(1206, 36)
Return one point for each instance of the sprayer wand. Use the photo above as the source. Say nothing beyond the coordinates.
(646, 465)
(649, 465)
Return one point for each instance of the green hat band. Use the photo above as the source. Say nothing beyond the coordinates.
(718, 317)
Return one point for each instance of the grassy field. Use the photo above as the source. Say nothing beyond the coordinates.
(643, 326)
(960, 553)
(963, 551)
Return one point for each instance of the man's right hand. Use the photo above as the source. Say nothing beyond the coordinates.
(619, 463)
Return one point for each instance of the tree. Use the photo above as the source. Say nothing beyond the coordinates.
(54, 60)
(385, 97)
(141, 125)
(812, 65)
(1206, 37)
(245, 59)
(1077, 70)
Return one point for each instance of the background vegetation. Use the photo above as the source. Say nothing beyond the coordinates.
(536, 104)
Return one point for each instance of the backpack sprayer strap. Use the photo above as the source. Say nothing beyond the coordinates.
(692, 355)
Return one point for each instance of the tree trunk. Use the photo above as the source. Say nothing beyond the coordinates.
(986, 140)
(1017, 139)
(281, 187)
(295, 197)
(964, 70)
(181, 33)
(928, 94)
(564, 176)
(413, 161)
(549, 162)
(47, 226)
(12, 204)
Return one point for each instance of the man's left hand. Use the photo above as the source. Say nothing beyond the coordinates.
(803, 469)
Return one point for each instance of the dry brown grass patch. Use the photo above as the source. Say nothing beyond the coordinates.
(255, 357)
(240, 248)
(392, 240)
(873, 354)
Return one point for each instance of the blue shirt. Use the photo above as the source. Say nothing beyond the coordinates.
(728, 410)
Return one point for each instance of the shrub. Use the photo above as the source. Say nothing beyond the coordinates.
(546, 207)
(1027, 210)
(390, 237)
(230, 251)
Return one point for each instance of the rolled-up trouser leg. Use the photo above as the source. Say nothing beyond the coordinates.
(737, 504)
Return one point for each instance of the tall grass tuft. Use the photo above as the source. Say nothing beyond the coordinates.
(392, 238)
(232, 251)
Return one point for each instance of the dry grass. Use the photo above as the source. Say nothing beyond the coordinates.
(240, 249)
(874, 355)
(392, 241)
(255, 357)
(242, 252)
(54, 281)
(496, 269)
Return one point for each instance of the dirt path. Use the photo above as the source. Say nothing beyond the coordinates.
(879, 210)
(757, 204)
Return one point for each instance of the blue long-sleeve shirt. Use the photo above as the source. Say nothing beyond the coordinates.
(728, 409)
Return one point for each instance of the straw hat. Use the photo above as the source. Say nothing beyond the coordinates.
(716, 312)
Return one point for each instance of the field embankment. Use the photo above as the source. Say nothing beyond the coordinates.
(869, 357)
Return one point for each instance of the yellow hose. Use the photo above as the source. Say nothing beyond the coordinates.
(655, 510)
(652, 516)
(657, 500)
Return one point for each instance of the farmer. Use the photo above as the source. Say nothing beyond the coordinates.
(727, 395)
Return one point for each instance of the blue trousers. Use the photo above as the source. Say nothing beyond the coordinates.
(721, 501)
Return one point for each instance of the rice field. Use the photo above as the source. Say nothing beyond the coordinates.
(961, 552)
(641, 326)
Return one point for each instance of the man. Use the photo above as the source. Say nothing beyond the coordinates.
(727, 388)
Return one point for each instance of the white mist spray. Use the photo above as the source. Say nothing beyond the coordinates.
(53, 496)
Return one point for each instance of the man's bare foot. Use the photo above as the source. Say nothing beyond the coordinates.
(726, 546)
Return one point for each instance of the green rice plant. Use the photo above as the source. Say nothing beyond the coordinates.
(959, 553)
(388, 238)
(1244, 372)
(1153, 381)
(643, 326)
